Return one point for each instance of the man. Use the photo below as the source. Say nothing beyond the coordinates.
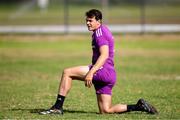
(100, 73)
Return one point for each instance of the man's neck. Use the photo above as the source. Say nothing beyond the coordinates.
(97, 27)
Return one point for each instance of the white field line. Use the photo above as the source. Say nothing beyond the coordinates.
(127, 28)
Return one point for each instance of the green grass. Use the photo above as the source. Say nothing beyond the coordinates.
(147, 66)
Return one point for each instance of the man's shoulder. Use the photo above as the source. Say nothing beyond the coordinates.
(102, 31)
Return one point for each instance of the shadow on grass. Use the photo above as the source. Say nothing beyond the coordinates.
(65, 111)
(37, 111)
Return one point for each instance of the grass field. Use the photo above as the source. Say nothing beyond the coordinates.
(148, 67)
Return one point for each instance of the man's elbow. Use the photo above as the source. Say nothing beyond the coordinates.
(106, 57)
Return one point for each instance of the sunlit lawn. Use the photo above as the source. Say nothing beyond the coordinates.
(30, 65)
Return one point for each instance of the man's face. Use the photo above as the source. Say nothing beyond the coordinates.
(92, 23)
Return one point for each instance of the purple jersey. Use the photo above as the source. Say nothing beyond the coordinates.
(105, 78)
(102, 36)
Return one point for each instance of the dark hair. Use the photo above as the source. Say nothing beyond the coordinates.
(94, 13)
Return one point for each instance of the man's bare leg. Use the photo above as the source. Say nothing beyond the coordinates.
(105, 105)
(69, 74)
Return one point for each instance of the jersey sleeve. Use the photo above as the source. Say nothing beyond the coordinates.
(102, 40)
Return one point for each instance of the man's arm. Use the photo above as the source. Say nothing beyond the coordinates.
(104, 54)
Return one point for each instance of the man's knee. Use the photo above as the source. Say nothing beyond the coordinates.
(67, 71)
(105, 111)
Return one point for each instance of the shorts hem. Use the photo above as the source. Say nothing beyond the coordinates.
(104, 93)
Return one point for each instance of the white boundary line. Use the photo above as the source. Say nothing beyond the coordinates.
(125, 28)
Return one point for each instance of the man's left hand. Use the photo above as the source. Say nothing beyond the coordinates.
(88, 80)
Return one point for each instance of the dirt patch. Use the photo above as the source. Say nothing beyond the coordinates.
(40, 37)
(26, 38)
(152, 37)
(148, 53)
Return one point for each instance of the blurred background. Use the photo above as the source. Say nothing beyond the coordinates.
(38, 40)
(65, 16)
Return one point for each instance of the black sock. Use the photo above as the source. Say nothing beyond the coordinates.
(132, 108)
(59, 101)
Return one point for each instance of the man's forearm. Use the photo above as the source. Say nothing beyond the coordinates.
(99, 63)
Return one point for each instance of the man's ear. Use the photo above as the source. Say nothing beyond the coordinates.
(99, 21)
